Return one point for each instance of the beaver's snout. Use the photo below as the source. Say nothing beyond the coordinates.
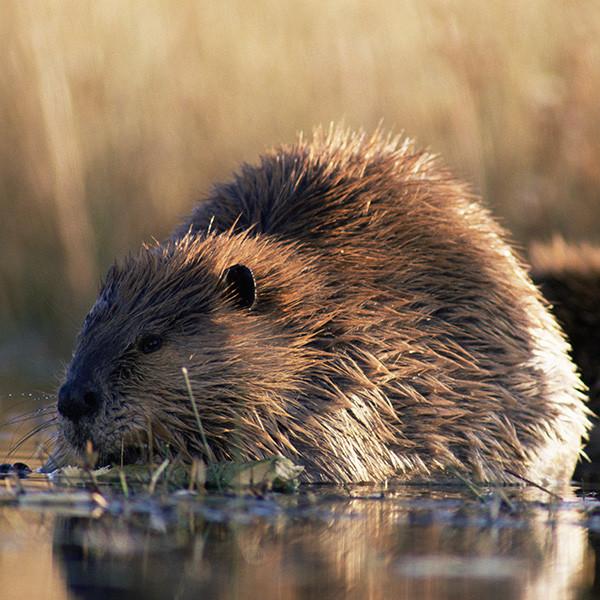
(78, 399)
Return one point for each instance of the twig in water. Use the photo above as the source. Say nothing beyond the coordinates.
(534, 484)
(156, 475)
(477, 492)
(124, 486)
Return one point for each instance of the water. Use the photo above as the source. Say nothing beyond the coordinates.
(323, 542)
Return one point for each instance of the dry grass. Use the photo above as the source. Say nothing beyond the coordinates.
(116, 115)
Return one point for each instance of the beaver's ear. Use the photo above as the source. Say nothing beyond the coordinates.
(240, 281)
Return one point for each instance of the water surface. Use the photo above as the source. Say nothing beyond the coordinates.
(323, 542)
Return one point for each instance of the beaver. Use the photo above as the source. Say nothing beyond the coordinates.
(345, 302)
(569, 277)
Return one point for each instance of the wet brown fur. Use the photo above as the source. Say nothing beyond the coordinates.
(394, 334)
(569, 277)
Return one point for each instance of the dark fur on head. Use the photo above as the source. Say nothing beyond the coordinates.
(393, 331)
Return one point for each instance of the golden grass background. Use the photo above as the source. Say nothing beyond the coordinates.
(117, 115)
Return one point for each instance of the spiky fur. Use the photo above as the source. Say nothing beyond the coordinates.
(395, 333)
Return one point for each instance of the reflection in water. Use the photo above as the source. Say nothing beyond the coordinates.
(324, 548)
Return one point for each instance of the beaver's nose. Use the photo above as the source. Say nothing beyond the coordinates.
(76, 400)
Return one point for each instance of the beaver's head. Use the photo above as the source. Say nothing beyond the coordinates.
(230, 311)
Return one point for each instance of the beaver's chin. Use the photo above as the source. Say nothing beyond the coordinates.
(91, 444)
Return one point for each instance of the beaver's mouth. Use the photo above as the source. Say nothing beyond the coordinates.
(131, 447)
(115, 442)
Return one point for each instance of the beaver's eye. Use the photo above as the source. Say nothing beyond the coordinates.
(150, 343)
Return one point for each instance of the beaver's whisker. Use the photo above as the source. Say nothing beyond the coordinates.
(33, 432)
(28, 416)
